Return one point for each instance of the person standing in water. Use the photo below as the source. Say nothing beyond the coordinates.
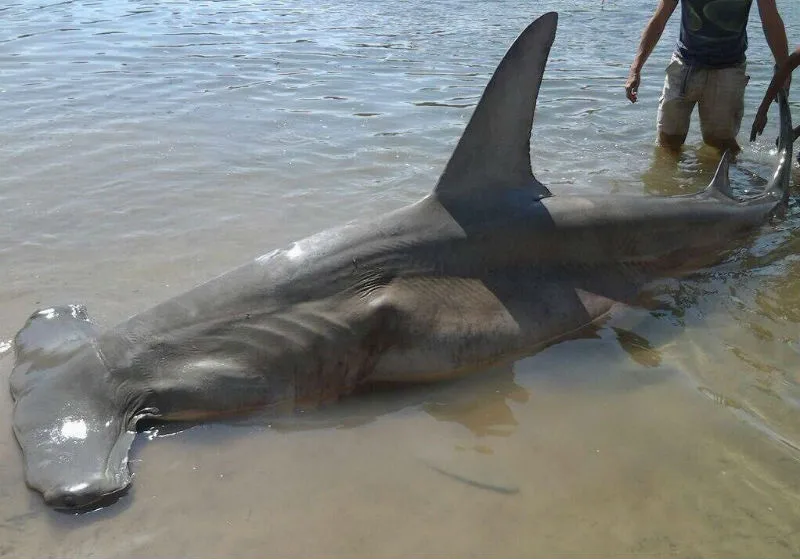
(707, 68)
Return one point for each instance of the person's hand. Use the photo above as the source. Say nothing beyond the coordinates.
(632, 86)
(758, 123)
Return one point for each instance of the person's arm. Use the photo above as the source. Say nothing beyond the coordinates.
(775, 33)
(650, 36)
(778, 80)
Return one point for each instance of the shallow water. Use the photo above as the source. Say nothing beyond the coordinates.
(147, 146)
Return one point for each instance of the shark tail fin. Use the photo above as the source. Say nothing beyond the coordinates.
(494, 150)
(778, 185)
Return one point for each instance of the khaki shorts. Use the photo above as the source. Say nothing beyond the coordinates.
(720, 94)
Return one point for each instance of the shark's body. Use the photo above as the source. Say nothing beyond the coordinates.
(488, 267)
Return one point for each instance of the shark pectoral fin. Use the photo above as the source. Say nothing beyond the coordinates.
(494, 150)
(49, 337)
(637, 347)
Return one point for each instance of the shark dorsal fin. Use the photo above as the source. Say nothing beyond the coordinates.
(494, 150)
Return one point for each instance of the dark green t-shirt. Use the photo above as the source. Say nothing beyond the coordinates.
(713, 32)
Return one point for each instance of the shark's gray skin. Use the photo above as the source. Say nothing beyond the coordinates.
(488, 267)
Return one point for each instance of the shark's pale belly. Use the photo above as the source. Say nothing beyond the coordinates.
(449, 326)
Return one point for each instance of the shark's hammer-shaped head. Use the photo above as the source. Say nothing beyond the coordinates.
(71, 419)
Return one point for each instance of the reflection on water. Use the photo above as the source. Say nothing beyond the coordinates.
(484, 413)
(148, 146)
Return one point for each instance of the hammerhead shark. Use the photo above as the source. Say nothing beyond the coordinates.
(488, 267)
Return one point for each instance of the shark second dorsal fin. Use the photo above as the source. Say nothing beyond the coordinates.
(720, 185)
(494, 150)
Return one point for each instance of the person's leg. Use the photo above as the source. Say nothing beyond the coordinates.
(675, 107)
(722, 107)
(662, 177)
